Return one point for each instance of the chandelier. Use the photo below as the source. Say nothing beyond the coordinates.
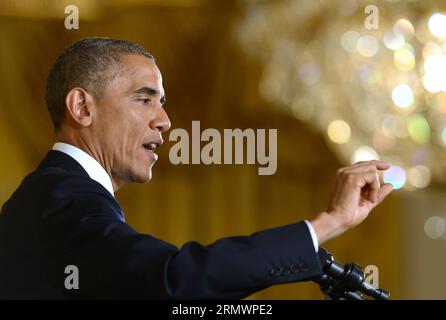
(374, 93)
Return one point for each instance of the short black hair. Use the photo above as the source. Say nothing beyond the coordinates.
(90, 64)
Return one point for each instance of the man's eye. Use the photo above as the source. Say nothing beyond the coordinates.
(145, 101)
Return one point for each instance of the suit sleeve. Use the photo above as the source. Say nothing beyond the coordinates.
(115, 261)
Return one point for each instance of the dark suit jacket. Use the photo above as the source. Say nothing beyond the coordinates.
(59, 216)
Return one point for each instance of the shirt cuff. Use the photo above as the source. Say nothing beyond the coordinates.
(313, 235)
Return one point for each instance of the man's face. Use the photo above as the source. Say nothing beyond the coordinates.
(130, 119)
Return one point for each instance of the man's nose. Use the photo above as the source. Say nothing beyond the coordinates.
(162, 121)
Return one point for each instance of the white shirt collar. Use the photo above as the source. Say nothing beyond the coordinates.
(93, 168)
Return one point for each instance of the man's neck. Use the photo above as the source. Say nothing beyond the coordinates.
(81, 144)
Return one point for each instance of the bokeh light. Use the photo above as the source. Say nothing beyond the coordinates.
(402, 96)
(432, 82)
(418, 128)
(364, 153)
(367, 46)
(434, 227)
(339, 131)
(430, 49)
(435, 63)
(404, 58)
(419, 176)
(437, 102)
(349, 41)
(437, 25)
(396, 176)
(435, 68)
(393, 40)
(404, 27)
(443, 136)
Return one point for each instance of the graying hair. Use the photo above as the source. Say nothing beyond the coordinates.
(91, 64)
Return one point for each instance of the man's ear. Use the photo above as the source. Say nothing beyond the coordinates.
(80, 106)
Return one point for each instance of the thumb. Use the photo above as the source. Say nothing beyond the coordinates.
(384, 192)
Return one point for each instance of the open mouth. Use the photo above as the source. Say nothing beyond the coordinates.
(150, 146)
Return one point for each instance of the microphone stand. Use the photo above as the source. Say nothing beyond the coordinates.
(343, 282)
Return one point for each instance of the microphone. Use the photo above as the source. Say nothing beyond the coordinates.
(341, 281)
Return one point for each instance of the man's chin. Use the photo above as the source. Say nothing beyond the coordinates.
(143, 175)
(144, 178)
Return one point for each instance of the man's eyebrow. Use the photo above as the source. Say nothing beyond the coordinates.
(146, 90)
(151, 92)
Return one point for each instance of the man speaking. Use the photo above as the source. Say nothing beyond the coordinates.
(105, 98)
